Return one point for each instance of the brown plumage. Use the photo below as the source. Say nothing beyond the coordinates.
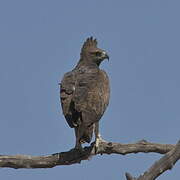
(84, 93)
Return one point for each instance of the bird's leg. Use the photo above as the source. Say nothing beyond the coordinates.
(98, 138)
(78, 143)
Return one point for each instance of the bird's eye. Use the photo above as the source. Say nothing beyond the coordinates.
(98, 53)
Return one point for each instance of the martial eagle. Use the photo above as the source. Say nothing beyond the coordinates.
(84, 93)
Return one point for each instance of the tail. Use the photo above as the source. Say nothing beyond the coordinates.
(87, 135)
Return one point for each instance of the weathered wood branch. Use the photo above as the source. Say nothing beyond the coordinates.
(73, 156)
(163, 164)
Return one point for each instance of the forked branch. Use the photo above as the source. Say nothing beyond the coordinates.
(163, 164)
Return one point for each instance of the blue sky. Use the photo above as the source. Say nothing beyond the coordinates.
(41, 40)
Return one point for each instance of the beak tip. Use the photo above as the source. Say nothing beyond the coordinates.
(107, 57)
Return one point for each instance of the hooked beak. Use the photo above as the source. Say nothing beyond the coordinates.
(106, 56)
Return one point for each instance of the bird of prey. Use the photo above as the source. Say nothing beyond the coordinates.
(84, 94)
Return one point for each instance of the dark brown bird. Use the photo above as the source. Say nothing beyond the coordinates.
(84, 93)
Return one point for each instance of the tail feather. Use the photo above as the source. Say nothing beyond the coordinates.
(87, 135)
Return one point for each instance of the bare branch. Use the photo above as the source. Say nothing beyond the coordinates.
(73, 156)
(163, 164)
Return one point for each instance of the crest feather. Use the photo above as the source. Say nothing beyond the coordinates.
(90, 42)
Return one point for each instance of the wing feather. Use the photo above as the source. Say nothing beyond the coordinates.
(67, 87)
(91, 95)
(84, 95)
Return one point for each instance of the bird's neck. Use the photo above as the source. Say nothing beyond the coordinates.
(87, 62)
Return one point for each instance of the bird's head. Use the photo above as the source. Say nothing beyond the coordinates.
(91, 53)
